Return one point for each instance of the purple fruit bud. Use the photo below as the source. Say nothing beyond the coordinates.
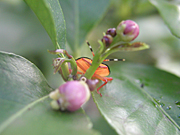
(70, 96)
(107, 40)
(92, 84)
(111, 31)
(127, 30)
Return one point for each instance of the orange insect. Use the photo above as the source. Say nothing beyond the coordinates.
(101, 72)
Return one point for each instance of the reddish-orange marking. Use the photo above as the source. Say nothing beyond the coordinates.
(101, 72)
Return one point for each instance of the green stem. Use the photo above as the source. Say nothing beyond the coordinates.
(58, 47)
(73, 65)
(99, 57)
(95, 64)
(65, 69)
(97, 60)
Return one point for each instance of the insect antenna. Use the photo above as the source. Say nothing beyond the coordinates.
(90, 48)
(114, 60)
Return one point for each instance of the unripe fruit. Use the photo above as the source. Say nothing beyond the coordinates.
(70, 96)
(127, 30)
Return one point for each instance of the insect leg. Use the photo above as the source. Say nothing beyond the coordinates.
(104, 79)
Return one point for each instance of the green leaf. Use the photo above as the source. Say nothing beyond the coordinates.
(137, 101)
(50, 15)
(25, 106)
(81, 16)
(170, 13)
(136, 46)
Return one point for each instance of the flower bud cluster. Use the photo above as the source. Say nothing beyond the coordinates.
(126, 31)
(73, 94)
(108, 38)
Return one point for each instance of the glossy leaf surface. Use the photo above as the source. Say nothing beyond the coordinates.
(137, 100)
(136, 46)
(170, 13)
(25, 106)
(50, 15)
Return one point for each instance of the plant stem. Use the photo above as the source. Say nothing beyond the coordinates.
(95, 64)
(97, 60)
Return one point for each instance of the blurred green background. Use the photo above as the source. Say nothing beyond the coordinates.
(22, 33)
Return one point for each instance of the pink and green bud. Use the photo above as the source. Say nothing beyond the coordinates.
(127, 30)
(70, 96)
